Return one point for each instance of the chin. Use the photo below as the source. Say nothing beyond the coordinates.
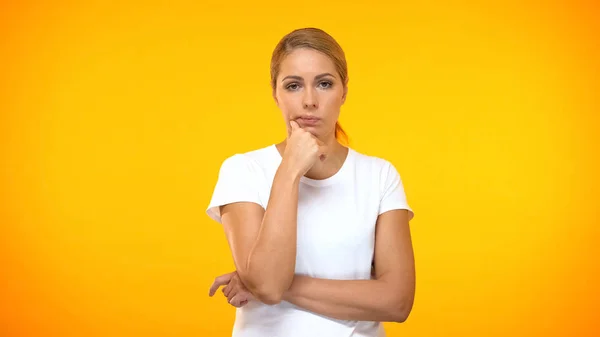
(313, 130)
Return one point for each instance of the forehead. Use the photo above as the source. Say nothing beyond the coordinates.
(307, 62)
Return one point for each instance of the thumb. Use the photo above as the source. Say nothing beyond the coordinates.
(294, 125)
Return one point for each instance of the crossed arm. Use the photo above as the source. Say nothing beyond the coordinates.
(388, 297)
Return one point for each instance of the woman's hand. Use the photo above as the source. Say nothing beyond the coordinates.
(237, 294)
(302, 149)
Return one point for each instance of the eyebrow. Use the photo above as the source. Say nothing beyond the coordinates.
(300, 78)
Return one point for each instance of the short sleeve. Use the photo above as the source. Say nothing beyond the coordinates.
(237, 182)
(393, 195)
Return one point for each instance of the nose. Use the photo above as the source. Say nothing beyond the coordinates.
(309, 100)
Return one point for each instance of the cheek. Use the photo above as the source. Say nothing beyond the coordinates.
(332, 104)
(288, 104)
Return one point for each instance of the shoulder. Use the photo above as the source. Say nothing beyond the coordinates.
(374, 163)
(381, 171)
(261, 156)
(250, 161)
(386, 179)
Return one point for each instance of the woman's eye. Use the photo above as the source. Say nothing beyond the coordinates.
(325, 84)
(296, 86)
(292, 86)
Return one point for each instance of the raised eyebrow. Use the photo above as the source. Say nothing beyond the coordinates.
(299, 78)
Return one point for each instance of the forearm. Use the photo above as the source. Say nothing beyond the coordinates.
(272, 260)
(362, 300)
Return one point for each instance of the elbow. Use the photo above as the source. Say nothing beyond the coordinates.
(401, 309)
(267, 290)
(400, 316)
(267, 293)
(268, 297)
(263, 291)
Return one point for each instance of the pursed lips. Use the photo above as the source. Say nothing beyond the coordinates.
(309, 120)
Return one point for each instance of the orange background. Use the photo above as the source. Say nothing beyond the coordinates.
(115, 119)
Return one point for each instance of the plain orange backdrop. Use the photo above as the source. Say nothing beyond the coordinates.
(115, 118)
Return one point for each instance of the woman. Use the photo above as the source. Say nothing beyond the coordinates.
(319, 232)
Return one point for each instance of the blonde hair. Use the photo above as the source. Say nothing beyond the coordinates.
(319, 40)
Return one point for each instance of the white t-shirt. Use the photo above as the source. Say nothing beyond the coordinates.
(335, 238)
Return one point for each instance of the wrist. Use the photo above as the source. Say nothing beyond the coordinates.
(289, 172)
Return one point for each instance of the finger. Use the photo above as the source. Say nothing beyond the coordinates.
(246, 295)
(220, 281)
(319, 142)
(227, 290)
(294, 125)
(232, 294)
(236, 301)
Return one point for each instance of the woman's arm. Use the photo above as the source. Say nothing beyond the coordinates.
(263, 243)
(388, 297)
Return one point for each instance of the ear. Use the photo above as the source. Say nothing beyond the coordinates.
(275, 97)
(344, 94)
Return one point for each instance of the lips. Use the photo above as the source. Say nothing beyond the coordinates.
(309, 120)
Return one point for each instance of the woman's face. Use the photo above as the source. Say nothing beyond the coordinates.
(310, 91)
